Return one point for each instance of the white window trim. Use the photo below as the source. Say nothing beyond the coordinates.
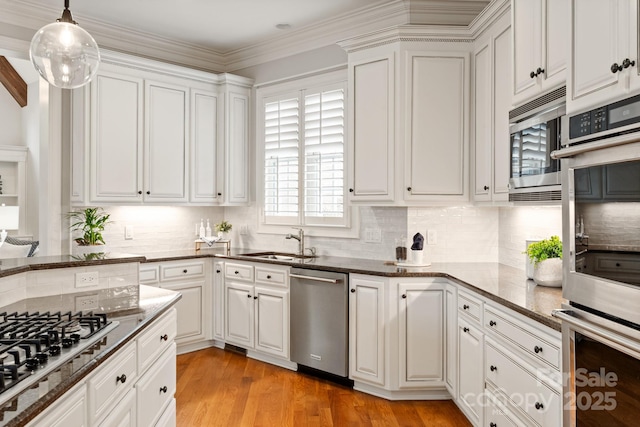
(352, 229)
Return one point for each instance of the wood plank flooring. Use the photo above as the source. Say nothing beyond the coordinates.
(223, 388)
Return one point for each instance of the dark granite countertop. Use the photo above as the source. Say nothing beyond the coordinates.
(504, 284)
(21, 265)
(141, 306)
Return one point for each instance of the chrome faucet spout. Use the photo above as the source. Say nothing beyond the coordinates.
(299, 238)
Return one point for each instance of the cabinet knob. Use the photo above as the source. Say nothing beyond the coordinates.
(465, 307)
(121, 379)
(404, 295)
(408, 188)
(163, 389)
(532, 74)
(351, 190)
(539, 71)
(148, 192)
(615, 67)
(539, 406)
(219, 194)
(164, 337)
(255, 297)
(139, 192)
(492, 323)
(486, 187)
(248, 296)
(628, 63)
(185, 271)
(617, 264)
(236, 272)
(537, 349)
(493, 368)
(353, 291)
(493, 425)
(217, 271)
(465, 329)
(268, 276)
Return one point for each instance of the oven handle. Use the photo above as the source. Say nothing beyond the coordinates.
(606, 334)
(316, 279)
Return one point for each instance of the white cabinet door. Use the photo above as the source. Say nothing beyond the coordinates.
(69, 410)
(156, 389)
(218, 301)
(272, 321)
(371, 136)
(124, 414)
(470, 370)
(191, 310)
(166, 121)
(452, 340)
(603, 34)
(237, 146)
(482, 121)
(367, 330)
(239, 325)
(206, 125)
(436, 158)
(422, 334)
(116, 138)
(502, 76)
(540, 47)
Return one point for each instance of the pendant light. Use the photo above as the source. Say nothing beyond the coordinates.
(65, 54)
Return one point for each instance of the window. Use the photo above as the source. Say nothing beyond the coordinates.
(301, 141)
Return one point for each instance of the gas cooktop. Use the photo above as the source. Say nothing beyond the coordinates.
(34, 344)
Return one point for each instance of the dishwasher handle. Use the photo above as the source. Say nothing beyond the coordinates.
(317, 279)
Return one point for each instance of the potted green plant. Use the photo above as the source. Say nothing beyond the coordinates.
(222, 228)
(91, 223)
(546, 255)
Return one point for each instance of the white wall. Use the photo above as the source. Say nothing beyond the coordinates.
(10, 119)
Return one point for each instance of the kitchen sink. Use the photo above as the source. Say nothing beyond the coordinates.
(280, 256)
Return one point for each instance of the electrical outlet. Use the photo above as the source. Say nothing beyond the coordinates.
(90, 278)
(372, 235)
(128, 232)
(432, 237)
(87, 302)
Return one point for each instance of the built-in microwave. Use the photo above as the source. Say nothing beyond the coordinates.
(535, 134)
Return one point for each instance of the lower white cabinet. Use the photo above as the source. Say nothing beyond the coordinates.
(135, 387)
(192, 278)
(218, 300)
(257, 307)
(470, 370)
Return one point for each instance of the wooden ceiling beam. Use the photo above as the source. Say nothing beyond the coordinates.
(10, 79)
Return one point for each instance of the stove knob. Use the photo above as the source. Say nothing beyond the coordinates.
(67, 342)
(75, 338)
(42, 357)
(32, 363)
(54, 350)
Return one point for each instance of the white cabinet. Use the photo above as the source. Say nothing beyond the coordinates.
(470, 369)
(367, 329)
(490, 113)
(257, 308)
(165, 143)
(192, 278)
(13, 181)
(124, 414)
(156, 388)
(206, 163)
(540, 46)
(218, 300)
(409, 115)
(604, 52)
(422, 334)
(372, 134)
(70, 410)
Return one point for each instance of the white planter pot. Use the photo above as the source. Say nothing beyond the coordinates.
(548, 272)
(90, 249)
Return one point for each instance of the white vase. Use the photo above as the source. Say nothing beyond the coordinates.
(548, 272)
(89, 249)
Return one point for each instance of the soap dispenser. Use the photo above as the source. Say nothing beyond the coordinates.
(208, 229)
(202, 230)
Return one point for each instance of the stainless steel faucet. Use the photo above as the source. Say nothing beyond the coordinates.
(299, 238)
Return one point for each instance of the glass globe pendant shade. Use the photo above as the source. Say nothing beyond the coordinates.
(64, 54)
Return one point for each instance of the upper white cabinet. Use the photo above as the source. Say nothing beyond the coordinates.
(490, 112)
(160, 134)
(540, 46)
(604, 54)
(408, 115)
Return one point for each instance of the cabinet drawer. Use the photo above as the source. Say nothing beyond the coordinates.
(181, 271)
(156, 339)
(469, 306)
(156, 388)
(149, 274)
(519, 383)
(272, 276)
(496, 416)
(112, 382)
(523, 336)
(238, 271)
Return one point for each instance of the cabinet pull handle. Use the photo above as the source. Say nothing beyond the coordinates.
(121, 379)
(409, 188)
(148, 192)
(139, 192)
(248, 296)
(493, 368)
(185, 271)
(268, 276)
(217, 271)
(486, 187)
(164, 337)
(219, 194)
(465, 329)
(539, 71)
(492, 323)
(255, 297)
(465, 307)
(351, 190)
(628, 63)
(353, 291)
(236, 272)
(404, 295)
(615, 67)
(539, 406)
(163, 389)
(532, 74)
(537, 349)
(493, 425)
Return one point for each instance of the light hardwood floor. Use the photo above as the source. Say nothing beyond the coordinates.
(223, 388)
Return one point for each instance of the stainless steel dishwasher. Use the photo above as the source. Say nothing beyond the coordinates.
(319, 320)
